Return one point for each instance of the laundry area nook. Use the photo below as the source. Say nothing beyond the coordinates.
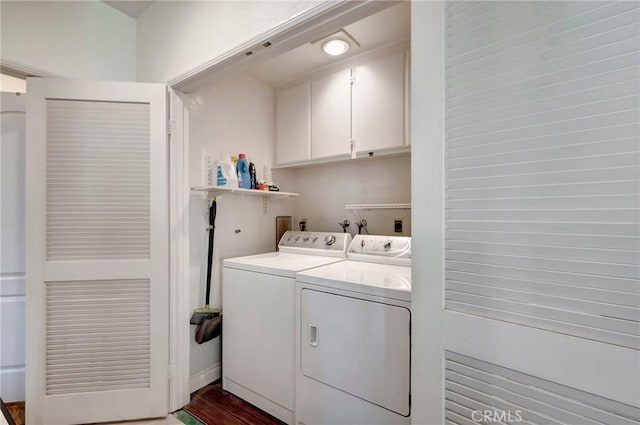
(319, 212)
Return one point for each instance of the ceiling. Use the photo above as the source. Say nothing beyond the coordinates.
(391, 25)
(131, 8)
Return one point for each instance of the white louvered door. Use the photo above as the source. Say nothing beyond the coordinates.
(97, 252)
(541, 185)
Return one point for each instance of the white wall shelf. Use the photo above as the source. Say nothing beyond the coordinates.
(265, 194)
(378, 207)
(223, 190)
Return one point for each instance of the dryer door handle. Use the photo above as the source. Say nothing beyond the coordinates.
(314, 335)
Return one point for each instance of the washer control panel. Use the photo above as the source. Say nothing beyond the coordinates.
(381, 246)
(321, 241)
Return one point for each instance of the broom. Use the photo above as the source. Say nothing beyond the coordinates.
(207, 319)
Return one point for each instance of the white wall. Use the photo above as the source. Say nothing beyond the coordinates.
(174, 37)
(236, 116)
(326, 189)
(71, 39)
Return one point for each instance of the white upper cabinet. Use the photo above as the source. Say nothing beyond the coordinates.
(353, 112)
(293, 116)
(378, 96)
(331, 115)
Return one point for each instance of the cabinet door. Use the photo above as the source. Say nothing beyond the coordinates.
(331, 115)
(293, 115)
(379, 103)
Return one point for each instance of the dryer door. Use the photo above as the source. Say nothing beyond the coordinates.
(357, 346)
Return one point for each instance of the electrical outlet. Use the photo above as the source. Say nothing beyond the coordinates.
(397, 225)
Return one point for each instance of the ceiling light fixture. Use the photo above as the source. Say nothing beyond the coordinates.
(335, 47)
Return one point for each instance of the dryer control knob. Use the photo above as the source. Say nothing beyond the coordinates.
(329, 239)
(387, 245)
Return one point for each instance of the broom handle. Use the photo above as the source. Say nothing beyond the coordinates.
(212, 221)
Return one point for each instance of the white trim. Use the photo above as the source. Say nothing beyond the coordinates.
(427, 144)
(179, 312)
(18, 70)
(510, 345)
(206, 376)
(307, 26)
(12, 284)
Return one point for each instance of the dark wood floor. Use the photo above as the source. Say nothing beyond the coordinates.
(211, 405)
(16, 410)
(214, 406)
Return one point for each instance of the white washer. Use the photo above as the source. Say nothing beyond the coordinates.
(258, 329)
(353, 345)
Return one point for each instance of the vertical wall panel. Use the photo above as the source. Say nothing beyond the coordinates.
(12, 252)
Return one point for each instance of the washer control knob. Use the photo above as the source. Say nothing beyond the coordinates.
(329, 239)
(314, 239)
(297, 238)
(387, 245)
(305, 238)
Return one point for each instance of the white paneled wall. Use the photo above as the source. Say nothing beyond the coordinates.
(12, 289)
(543, 165)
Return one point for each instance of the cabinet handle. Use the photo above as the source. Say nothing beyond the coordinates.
(313, 335)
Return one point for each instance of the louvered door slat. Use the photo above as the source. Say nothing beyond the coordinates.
(481, 385)
(96, 320)
(78, 166)
(543, 166)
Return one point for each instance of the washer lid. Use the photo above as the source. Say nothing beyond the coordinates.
(279, 263)
(384, 280)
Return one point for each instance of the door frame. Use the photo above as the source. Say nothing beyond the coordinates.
(179, 276)
(427, 165)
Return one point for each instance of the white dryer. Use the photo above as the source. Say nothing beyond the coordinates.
(258, 329)
(353, 345)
